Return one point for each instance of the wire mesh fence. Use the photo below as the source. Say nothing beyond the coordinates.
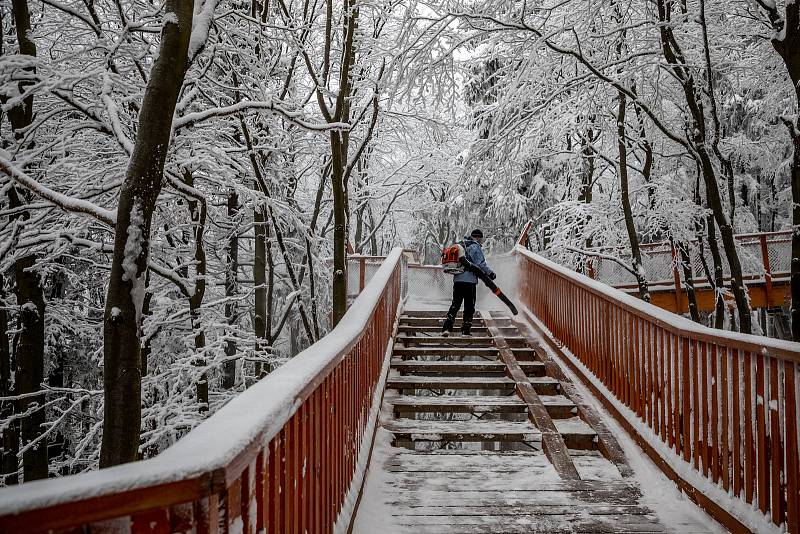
(758, 254)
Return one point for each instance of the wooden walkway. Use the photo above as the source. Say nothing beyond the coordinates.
(486, 435)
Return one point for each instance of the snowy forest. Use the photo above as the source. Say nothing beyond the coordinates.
(181, 182)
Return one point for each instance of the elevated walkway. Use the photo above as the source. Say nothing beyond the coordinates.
(486, 435)
(544, 423)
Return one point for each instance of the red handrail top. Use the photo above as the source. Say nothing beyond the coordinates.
(674, 323)
(219, 449)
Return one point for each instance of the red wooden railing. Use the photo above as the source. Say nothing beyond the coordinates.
(285, 456)
(720, 409)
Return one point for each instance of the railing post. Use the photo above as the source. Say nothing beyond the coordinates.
(590, 268)
(523, 237)
(767, 269)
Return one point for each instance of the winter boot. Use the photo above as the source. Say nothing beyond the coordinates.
(447, 327)
(466, 326)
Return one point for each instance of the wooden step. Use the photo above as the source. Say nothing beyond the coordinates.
(558, 406)
(475, 340)
(441, 313)
(434, 321)
(415, 431)
(542, 385)
(455, 339)
(477, 330)
(458, 368)
(577, 433)
(449, 404)
(523, 353)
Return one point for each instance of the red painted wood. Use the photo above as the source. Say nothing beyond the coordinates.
(792, 458)
(714, 436)
(719, 401)
(704, 399)
(778, 503)
(151, 522)
(725, 418)
(762, 470)
(684, 393)
(736, 427)
(663, 358)
(696, 356)
(748, 443)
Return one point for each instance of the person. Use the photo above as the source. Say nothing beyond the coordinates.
(465, 285)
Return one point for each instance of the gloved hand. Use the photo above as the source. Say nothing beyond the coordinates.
(492, 276)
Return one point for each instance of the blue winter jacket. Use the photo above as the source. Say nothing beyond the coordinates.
(474, 253)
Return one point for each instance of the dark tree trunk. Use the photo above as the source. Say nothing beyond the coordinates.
(30, 367)
(697, 137)
(231, 290)
(339, 230)
(339, 163)
(688, 280)
(197, 212)
(10, 442)
(587, 177)
(260, 282)
(121, 354)
(718, 282)
(789, 49)
(630, 225)
(147, 345)
(30, 297)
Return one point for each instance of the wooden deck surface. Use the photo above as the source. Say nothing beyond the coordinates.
(460, 445)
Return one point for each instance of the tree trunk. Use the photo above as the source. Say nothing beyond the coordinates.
(197, 212)
(698, 141)
(30, 367)
(339, 229)
(587, 177)
(718, 282)
(122, 363)
(688, 280)
(630, 225)
(10, 442)
(260, 282)
(788, 48)
(30, 297)
(231, 286)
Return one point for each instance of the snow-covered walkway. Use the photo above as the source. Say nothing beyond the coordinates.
(462, 458)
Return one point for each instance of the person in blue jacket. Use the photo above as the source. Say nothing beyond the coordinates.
(465, 285)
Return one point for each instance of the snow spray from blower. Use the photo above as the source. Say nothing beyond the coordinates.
(488, 282)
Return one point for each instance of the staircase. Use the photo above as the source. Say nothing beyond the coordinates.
(485, 434)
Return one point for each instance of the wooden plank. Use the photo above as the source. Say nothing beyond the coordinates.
(449, 366)
(542, 385)
(607, 443)
(776, 452)
(552, 442)
(705, 502)
(414, 430)
(410, 352)
(762, 468)
(792, 453)
(453, 340)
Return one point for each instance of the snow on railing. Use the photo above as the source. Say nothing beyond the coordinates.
(719, 409)
(287, 455)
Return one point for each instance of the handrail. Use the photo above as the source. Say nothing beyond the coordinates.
(282, 456)
(721, 405)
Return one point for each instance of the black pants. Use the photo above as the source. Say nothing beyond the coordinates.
(463, 292)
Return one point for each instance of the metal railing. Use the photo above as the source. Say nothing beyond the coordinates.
(285, 456)
(764, 256)
(721, 406)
